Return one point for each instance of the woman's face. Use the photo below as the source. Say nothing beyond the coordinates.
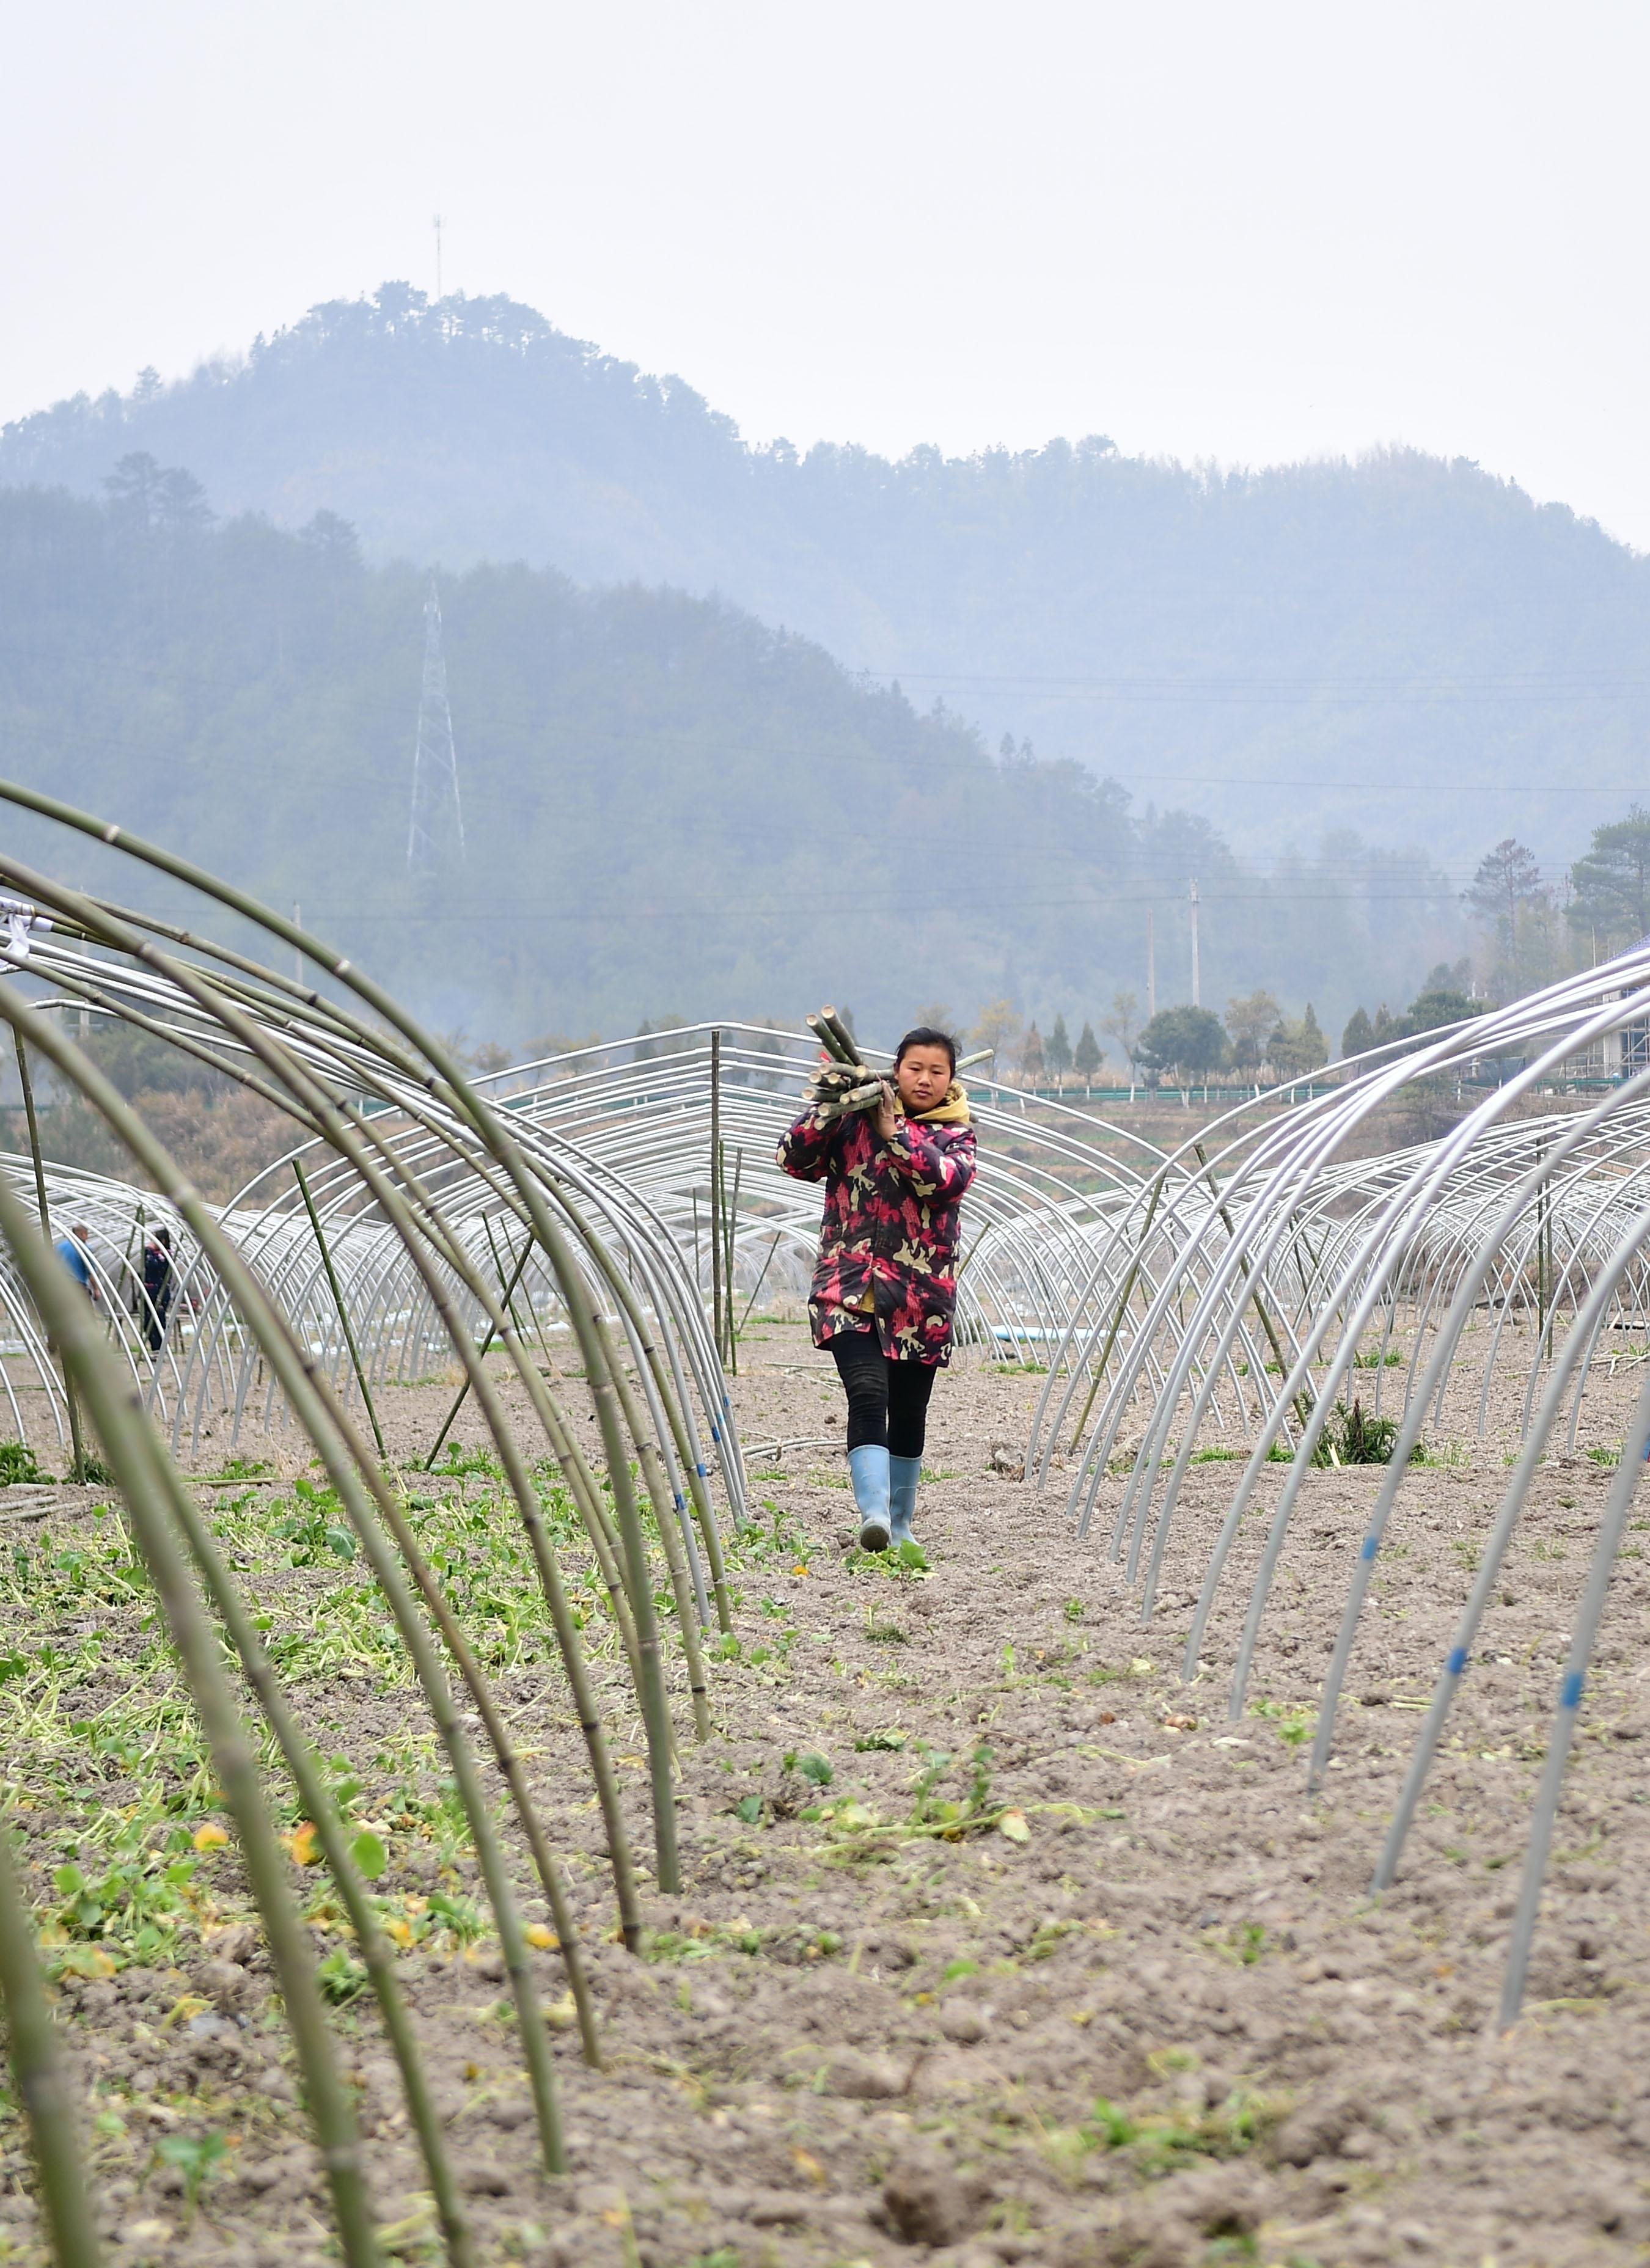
(923, 1076)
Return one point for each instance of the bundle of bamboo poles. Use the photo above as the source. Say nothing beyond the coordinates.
(845, 1084)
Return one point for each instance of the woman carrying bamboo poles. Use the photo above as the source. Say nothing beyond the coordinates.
(896, 1156)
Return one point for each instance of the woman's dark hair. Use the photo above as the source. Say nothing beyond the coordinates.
(925, 1036)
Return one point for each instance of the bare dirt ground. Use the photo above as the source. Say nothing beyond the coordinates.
(997, 1942)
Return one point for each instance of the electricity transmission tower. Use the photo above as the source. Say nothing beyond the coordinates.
(435, 839)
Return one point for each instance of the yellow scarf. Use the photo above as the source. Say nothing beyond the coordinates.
(953, 1111)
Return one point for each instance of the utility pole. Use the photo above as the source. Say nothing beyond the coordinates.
(77, 1469)
(435, 836)
(716, 1191)
(438, 225)
(1151, 967)
(1196, 986)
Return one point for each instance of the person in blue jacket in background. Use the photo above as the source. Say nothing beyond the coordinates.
(73, 1250)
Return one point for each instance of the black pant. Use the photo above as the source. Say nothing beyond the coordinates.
(888, 1402)
(157, 1301)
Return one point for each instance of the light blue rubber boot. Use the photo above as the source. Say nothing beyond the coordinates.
(903, 1474)
(869, 1465)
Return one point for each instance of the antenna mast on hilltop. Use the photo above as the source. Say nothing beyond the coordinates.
(439, 225)
(436, 834)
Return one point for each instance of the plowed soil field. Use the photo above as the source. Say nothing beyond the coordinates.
(997, 1941)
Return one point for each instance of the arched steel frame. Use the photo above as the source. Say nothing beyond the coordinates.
(1544, 1218)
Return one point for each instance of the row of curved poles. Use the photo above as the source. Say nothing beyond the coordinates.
(1048, 1184)
(1064, 1215)
(626, 1127)
(1540, 1220)
(421, 1184)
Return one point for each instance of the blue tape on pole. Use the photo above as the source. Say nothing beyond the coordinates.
(1570, 1691)
(703, 1471)
(1457, 1660)
(680, 1502)
(1372, 1544)
(715, 1436)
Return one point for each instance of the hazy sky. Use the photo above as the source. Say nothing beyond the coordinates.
(1240, 231)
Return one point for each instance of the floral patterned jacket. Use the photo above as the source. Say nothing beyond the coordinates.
(892, 1221)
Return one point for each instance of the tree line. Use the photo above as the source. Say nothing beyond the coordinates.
(1531, 930)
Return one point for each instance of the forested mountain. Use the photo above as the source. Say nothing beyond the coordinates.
(668, 806)
(1392, 632)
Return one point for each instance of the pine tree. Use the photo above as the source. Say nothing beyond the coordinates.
(1510, 900)
(1612, 883)
(1359, 1033)
(1031, 1057)
(1086, 1060)
(1314, 1049)
(1057, 1053)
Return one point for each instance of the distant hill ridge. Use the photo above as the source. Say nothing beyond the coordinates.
(1391, 627)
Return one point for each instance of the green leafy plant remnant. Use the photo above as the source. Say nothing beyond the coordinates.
(1356, 1438)
(316, 1532)
(196, 2158)
(17, 1463)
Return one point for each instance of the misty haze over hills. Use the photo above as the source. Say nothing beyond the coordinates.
(668, 806)
(1391, 632)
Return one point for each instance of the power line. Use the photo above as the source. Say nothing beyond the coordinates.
(1214, 690)
(1388, 786)
(742, 911)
